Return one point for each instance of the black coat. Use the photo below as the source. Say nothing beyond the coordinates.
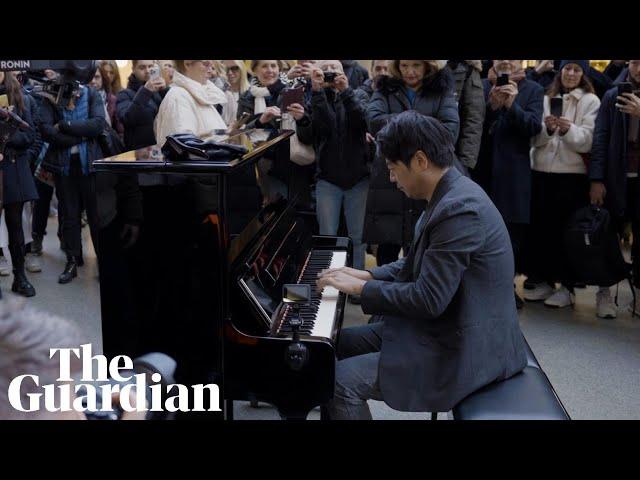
(355, 73)
(504, 163)
(281, 165)
(18, 183)
(136, 108)
(72, 133)
(609, 152)
(391, 216)
(336, 126)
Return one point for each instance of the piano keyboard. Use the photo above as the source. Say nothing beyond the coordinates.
(319, 316)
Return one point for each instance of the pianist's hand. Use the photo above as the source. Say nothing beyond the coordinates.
(341, 281)
(361, 274)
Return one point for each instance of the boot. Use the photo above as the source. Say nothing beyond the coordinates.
(21, 285)
(36, 244)
(70, 271)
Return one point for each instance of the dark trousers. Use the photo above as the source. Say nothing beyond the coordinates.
(41, 210)
(387, 253)
(75, 190)
(121, 329)
(517, 234)
(13, 218)
(554, 198)
(357, 372)
(632, 214)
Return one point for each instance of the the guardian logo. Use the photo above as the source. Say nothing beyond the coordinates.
(57, 397)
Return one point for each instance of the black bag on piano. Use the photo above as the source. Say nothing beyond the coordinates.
(186, 146)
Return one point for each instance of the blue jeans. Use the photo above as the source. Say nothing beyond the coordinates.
(329, 199)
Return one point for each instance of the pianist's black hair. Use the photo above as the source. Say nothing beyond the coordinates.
(411, 131)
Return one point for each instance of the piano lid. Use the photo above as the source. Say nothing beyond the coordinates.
(152, 160)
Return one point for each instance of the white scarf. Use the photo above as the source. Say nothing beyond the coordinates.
(259, 102)
(207, 94)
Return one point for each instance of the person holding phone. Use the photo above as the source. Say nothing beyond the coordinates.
(615, 160)
(335, 124)
(559, 182)
(262, 101)
(513, 116)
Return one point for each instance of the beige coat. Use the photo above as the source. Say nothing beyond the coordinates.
(561, 153)
(189, 106)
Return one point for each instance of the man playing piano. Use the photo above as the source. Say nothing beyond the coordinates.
(448, 322)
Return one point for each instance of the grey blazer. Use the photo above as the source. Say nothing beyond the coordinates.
(450, 320)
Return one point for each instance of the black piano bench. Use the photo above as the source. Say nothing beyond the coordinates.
(527, 395)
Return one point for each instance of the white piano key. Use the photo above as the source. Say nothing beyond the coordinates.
(325, 317)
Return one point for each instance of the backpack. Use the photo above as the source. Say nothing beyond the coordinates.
(593, 249)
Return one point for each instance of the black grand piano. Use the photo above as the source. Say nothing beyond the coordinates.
(226, 321)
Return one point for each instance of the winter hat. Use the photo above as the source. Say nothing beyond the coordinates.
(584, 64)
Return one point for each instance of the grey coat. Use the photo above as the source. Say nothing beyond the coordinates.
(391, 216)
(450, 321)
(471, 107)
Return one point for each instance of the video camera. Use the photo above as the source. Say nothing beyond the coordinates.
(71, 75)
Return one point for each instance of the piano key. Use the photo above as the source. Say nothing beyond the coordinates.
(325, 316)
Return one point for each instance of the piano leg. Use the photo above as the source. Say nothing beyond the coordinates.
(324, 413)
(228, 409)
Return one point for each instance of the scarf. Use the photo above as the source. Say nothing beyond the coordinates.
(514, 77)
(261, 93)
(79, 113)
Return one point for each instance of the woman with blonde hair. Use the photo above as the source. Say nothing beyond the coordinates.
(190, 105)
(426, 87)
(238, 83)
(112, 74)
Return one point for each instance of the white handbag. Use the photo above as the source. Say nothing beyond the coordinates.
(299, 153)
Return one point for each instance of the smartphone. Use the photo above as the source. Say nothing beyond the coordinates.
(4, 101)
(624, 87)
(154, 72)
(291, 96)
(296, 293)
(556, 106)
(502, 80)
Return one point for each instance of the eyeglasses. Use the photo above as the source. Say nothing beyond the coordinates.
(206, 63)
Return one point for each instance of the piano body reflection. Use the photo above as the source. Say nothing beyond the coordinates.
(170, 292)
(278, 248)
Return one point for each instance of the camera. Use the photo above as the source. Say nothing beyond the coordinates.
(72, 74)
(9, 124)
(329, 77)
(148, 365)
(502, 80)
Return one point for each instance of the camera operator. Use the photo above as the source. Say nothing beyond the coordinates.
(72, 132)
(26, 336)
(336, 126)
(17, 182)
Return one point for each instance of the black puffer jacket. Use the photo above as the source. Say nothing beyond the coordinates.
(136, 108)
(337, 127)
(281, 164)
(391, 215)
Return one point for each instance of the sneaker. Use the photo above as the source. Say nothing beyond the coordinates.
(5, 269)
(33, 262)
(560, 299)
(537, 291)
(604, 304)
